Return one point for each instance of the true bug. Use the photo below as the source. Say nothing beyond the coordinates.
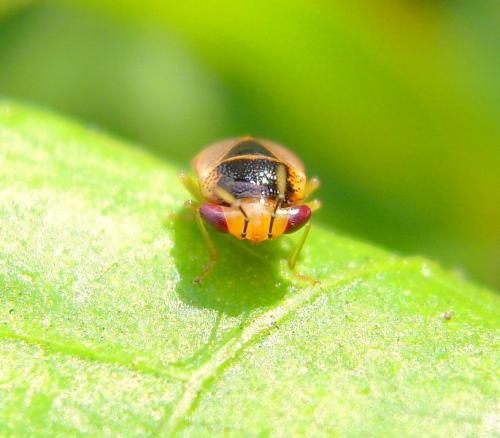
(253, 189)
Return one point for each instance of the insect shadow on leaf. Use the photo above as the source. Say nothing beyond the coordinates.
(246, 277)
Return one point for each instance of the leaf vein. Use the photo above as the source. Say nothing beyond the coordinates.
(81, 353)
(260, 325)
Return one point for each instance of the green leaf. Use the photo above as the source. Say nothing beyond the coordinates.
(102, 330)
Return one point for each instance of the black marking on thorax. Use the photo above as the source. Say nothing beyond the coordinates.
(250, 177)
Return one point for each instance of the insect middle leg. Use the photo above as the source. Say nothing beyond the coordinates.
(311, 186)
(314, 205)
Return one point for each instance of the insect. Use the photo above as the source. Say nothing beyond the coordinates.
(253, 189)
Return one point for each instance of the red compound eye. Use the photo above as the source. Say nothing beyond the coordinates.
(297, 217)
(215, 216)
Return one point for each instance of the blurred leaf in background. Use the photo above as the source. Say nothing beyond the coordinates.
(393, 104)
(135, 80)
(8, 7)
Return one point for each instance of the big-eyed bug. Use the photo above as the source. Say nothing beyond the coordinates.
(253, 189)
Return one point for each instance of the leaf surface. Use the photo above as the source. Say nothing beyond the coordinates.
(103, 331)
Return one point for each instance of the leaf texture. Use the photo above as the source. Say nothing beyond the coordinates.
(102, 330)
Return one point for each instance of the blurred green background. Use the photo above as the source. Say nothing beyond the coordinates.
(395, 105)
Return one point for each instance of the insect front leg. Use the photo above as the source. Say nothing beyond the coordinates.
(313, 205)
(292, 261)
(295, 254)
(195, 208)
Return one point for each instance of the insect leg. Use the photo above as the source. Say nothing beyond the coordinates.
(311, 186)
(190, 186)
(211, 246)
(314, 205)
(296, 251)
(233, 202)
(281, 183)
